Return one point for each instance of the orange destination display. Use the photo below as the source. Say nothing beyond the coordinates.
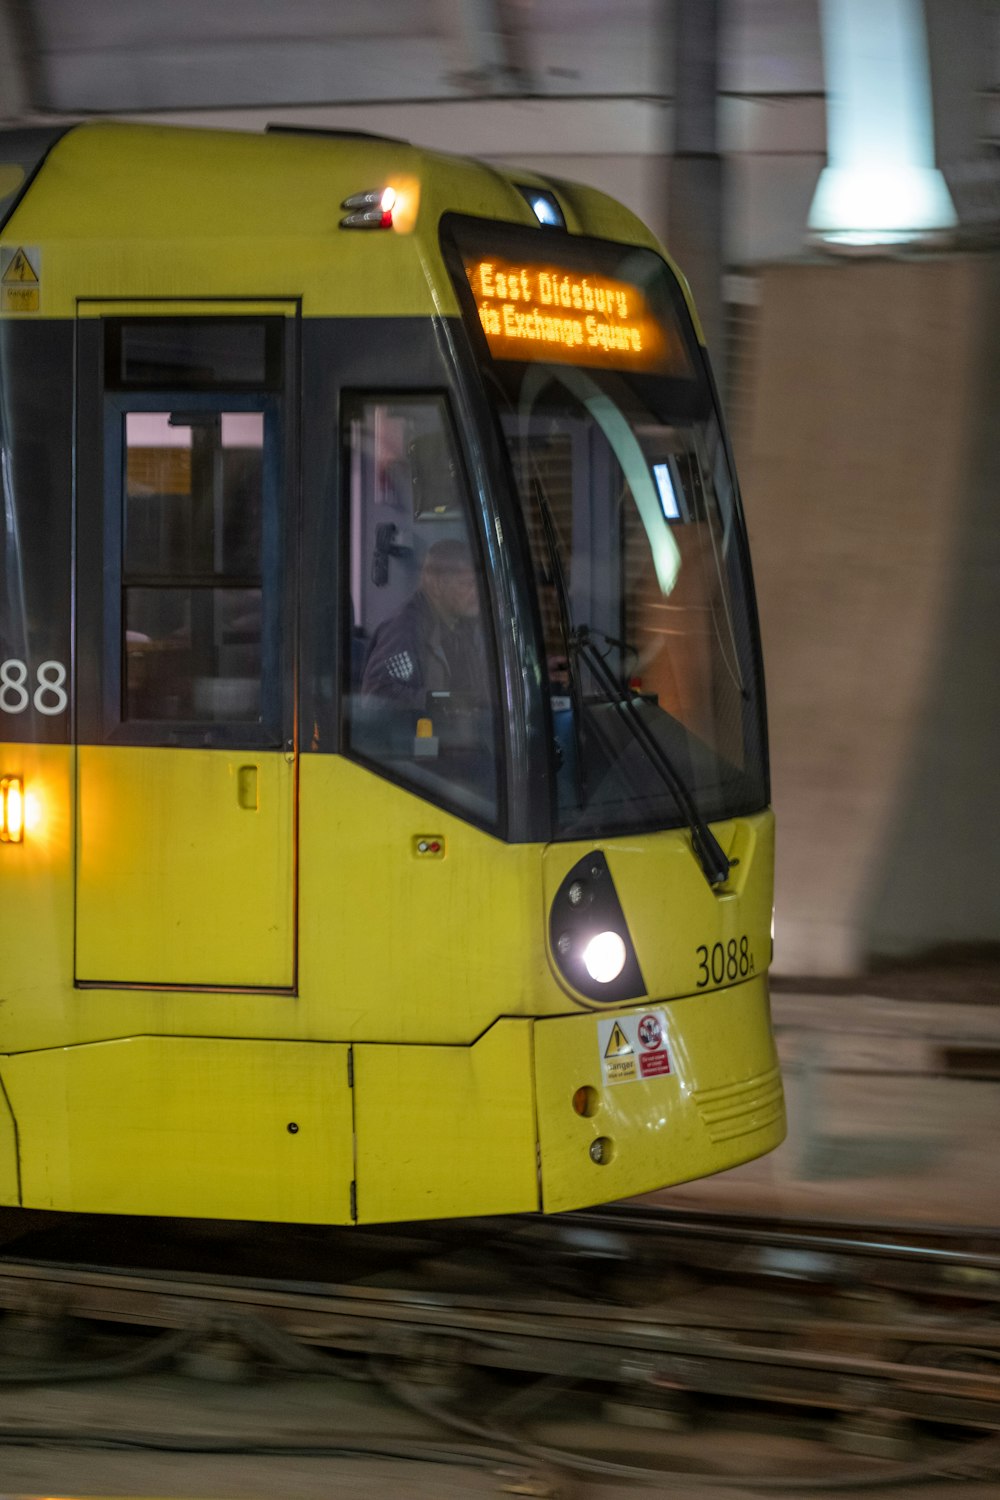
(533, 310)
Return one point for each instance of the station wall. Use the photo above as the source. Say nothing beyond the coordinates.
(865, 428)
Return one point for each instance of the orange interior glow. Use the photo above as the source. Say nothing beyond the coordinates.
(11, 810)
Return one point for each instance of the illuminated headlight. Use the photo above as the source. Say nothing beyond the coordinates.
(605, 957)
(589, 939)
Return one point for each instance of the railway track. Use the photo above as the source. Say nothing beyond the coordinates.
(886, 1345)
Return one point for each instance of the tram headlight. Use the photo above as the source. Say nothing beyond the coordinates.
(604, 957)
(589, 939)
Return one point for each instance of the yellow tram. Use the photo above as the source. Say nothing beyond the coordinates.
(383, 767)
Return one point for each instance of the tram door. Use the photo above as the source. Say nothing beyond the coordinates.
(186, 774)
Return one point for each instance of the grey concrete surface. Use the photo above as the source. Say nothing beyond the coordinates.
(869, 467)
(879, 1129)
(303, 1409)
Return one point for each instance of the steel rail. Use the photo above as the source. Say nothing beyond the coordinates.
(600, 1343)
(912, 1242)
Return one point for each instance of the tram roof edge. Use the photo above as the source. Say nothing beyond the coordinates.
(265, 202)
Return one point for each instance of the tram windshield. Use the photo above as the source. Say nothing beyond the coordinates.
(638, 554)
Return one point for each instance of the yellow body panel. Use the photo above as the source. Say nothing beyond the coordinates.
(36, 900)
(10, 1174)
(446, 1131)
(672, 912)
(418, 956)
(721, 1103)
(172, 1125)
(182, 878)
(148, 211)
(391, 948)
(405, 949)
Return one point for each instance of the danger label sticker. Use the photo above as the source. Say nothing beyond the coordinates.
(20, 278)
(633, 1047)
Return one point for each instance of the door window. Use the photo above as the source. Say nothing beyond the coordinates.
(192, 624)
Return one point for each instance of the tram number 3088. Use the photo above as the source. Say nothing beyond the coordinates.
(732, 961)
(47, 695)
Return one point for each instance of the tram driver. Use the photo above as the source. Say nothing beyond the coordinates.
(433, 646)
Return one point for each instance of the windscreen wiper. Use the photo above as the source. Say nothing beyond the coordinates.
(708, 850)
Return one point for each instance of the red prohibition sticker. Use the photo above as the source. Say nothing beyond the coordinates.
(650, 1032)
(653, 1059)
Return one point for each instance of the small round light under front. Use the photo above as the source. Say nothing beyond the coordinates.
(602, 1151)
(604, 957)
(586, 1101)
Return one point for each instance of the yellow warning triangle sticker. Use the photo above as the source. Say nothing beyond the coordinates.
(20, 269)
(618, 1043)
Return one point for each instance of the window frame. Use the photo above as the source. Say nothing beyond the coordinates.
(115, 327)
(353, 402)
(268, 731)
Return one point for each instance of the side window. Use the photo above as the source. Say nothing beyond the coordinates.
(193, 520)
(421, 696)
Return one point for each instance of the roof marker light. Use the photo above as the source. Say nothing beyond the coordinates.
(371, 210)
(544, 205)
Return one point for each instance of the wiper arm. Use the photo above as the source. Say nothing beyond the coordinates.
(708, 850)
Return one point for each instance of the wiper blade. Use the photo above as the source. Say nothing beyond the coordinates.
(708, 850)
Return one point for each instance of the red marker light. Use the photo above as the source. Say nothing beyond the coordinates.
(372, 210)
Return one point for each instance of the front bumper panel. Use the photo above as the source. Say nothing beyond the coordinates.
(711, 1096)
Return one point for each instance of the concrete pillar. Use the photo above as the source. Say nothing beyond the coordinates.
(18, 67)
(882, 185)
(694, 214)
(959, 46)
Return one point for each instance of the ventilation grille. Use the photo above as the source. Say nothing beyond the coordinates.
(741, 1108)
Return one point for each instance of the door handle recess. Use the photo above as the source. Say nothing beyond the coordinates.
(246, 788)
